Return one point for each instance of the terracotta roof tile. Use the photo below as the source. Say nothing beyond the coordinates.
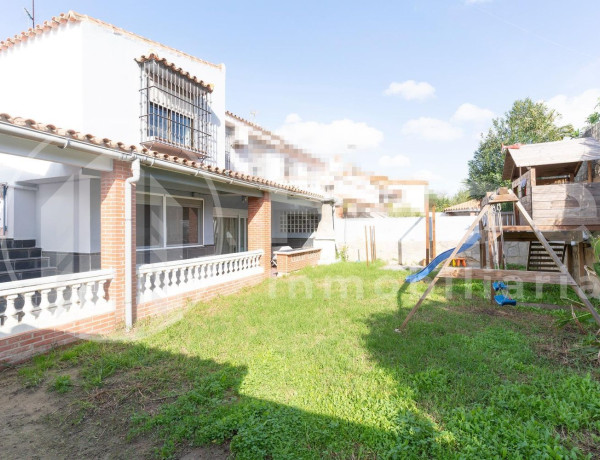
(471, 205)
(72, 16)
(154, 57)
(121, 147)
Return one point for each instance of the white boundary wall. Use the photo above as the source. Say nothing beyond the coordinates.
(402, 239)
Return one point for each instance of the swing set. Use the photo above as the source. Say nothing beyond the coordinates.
(502, 296)
(490, 214)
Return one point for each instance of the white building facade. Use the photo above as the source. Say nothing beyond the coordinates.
(115, 202)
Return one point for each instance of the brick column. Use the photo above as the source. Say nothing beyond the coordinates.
(112, 224)
(259, 228)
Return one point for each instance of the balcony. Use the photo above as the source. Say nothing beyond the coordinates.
(176, 117)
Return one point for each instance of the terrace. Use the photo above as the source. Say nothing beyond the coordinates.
(95, 234)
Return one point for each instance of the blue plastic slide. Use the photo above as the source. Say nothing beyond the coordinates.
(471, 241)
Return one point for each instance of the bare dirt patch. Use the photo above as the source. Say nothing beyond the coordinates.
(38, 423)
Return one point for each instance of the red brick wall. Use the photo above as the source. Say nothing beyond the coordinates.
(27, 344)
(112, 221)
(22, 346)
(259, 228)
(161, 306)
(287, 263)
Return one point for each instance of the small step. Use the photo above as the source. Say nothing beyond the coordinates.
(19, 275)
(20, 264)
(534, 260)
(19, 253)
(539, 259)
(9, 243)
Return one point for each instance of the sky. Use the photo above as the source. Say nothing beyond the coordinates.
(400, 88)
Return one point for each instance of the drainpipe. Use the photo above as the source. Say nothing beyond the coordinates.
(135, 170)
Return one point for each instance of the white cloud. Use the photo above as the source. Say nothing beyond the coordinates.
(411, 90)
(337, 137)
(397, 161)
(431, 129)
(470, 113)
(293, 118)
(575, 109)
(426, 174)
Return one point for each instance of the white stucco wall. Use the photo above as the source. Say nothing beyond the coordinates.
(402, 239)
(42, 78)
(22, 175)
(24, 218)
(65, 216)
(84, 76)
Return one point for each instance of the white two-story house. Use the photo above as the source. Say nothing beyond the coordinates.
(115, 194)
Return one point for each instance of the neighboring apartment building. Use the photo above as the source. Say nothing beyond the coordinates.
(258, 151)
(116, 202)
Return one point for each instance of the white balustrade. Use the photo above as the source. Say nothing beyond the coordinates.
(53, 300)
(164, 279)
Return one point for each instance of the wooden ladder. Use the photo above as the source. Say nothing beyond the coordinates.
(539, 260)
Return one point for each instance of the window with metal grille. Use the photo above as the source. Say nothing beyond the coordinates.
(229, 134)
(176, 115)
(299, 222)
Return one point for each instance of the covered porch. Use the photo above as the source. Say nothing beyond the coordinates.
(116, 233)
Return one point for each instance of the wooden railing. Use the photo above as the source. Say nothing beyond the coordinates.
(165, 279)
(50, 301)
(566, 204)
(508, 218)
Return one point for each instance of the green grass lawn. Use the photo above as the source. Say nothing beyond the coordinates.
(281, 372)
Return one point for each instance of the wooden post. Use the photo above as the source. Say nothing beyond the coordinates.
(446, 264)
(580, 260)
(374, 244)
(533, 180)
(500, 253)
(570, 261)
(426, 229)
(433, 248)
(371, 242)
(366, 247)
(491, 242)
(482, 249)
(559, 264)
(590, 171)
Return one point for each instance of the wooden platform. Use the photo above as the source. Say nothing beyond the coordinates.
(562, 233)
(506, 275)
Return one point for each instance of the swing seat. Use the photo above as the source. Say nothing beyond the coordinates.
(503, 301)
(499, 285)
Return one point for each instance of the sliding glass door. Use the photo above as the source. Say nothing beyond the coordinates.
(168, 221)
(230, 234)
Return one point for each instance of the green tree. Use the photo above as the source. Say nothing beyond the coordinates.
(443, 200)
(527, 122)
(594, 117)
